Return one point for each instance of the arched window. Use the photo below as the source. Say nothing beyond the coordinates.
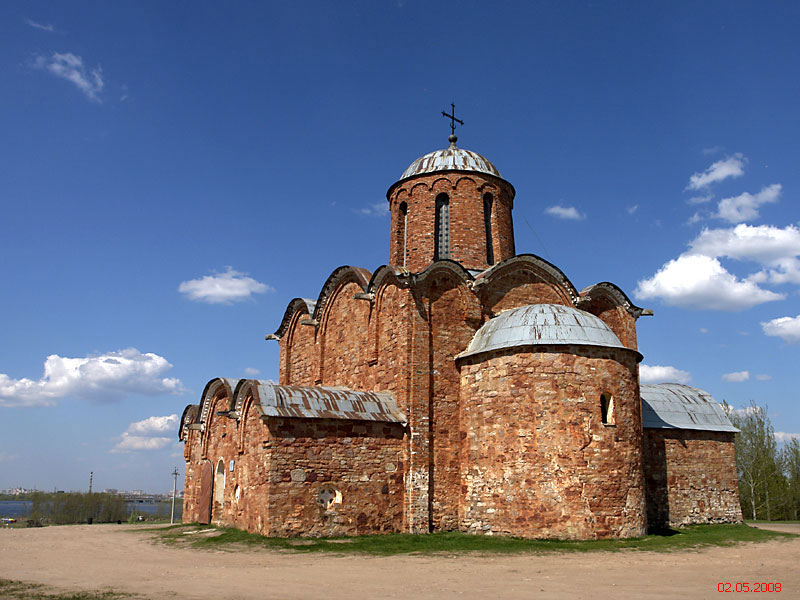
(606, 409)
(219, 483)
(487, 225)
(403, 223)
(442, 249)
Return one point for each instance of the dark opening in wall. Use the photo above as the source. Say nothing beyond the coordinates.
(442, 249)
(606, 409)
(403, 223)
(487, 225)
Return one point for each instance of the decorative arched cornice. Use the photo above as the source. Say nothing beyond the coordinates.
(451, 266)
(211, 391)
(411, 182)
(240, 393)
(295, 304)
(384, 272)
(533, 261)
(339, 275)
(608, 290)
(189, 417)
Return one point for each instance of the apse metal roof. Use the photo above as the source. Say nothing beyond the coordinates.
(326, 403)
(450, 159)
(678, 406)
(540, 324)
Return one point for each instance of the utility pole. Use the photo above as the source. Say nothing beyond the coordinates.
(91, 474)
(174, 491)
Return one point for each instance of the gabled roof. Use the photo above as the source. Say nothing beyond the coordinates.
(678, 406)
(273, 400)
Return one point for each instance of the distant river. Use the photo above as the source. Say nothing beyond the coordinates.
(21, 508)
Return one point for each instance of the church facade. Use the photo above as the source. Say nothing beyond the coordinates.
(460, 387)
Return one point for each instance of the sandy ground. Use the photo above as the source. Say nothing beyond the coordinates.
(93, 557)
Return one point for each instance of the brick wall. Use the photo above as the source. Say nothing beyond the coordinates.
(466, 193)
(690, 477)
(299, 356)
(343, 336)
(361, 460)
(537, 460)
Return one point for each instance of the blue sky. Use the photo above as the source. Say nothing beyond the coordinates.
(174, 173)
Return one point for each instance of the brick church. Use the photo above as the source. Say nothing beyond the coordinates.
(461, 387)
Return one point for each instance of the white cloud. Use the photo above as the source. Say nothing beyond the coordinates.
(776, 248)
(130, 442)
(108, 377)
(251, 371)
(378, 209)
(786, 328)
(564, 212)
(700, 199)
(732, 166)
(763, 243)
(154, 425)
(737, 377)
(703, 330)
(744, 207)
(70, 67)
(224, 288)
(764, 377)
(782, 436)
(41, 26)
(698, 281)
(662, 374)
(633, 209)
(148, 434)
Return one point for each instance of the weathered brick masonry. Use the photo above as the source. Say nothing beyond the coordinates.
(690, 477)
(538, 460)
(404, 405)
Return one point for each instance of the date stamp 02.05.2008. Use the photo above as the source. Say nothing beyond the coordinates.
(747, 587)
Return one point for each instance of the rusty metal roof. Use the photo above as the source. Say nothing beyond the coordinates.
(541, 324)
(450, 159)
(276, 400)
(678, 406)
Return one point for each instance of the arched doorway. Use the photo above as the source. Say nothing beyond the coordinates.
(219, 488)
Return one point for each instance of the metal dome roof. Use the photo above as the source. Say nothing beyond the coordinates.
(678, 406)
(450, 159)
(540, 324)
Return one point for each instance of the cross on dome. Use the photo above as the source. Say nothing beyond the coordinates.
(453, 120)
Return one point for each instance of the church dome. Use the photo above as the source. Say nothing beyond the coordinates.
(541, 324)
(450, 159)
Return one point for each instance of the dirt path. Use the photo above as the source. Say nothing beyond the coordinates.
(89, 557)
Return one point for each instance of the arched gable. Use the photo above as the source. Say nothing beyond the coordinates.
(521, 280)
(612, 305)
(189, 417)
(299, 352)
(340, 275)
(217, 393)
(343, 323)
(612, 294)
(219, 386)
(303, 305)
(243, 403)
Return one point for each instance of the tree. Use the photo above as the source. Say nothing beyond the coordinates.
(757, 460)
(791, 465)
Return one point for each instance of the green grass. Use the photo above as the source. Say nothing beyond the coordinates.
(458, 543)
(22, 590)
